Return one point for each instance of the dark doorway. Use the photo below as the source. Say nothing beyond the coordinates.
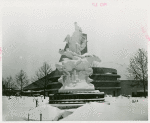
(114, 93)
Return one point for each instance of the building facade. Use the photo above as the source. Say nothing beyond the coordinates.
(104, 79)
(127, 89)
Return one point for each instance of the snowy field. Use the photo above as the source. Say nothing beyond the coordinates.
(14, 109)
(120, 109)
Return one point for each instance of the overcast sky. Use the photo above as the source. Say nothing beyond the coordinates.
(33, 32)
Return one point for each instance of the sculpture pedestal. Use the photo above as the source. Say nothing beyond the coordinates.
(81, 85)
(77, 96)
(76, 89)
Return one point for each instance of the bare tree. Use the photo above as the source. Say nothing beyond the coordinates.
(9, 81)
(4, 85)
(22, 79)
(7, 84)
(138, 69)
(42, 74)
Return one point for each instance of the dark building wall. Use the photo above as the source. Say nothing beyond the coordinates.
(53, 86)
(100, 77)
(102, 70)
(127, 89)
(104, 79)
(113, 92)
(107, 83)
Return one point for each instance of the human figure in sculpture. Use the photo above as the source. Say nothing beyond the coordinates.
(80, 46)
(74, 41)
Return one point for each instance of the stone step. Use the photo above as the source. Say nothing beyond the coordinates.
(75, 101)
(73, 106)
(70, 100)
(76, 90)
(79, 94)
(67, 106)
(75, 96)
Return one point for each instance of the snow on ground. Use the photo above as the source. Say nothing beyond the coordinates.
(48, 112)
(16, 107)
(121, 109)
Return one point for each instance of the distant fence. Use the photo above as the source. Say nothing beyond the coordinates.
(9, 92)
(15, 93)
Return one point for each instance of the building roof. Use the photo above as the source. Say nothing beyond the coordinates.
(54, 74)
(39, 84)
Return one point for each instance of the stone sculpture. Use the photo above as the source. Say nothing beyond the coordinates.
(76, 68)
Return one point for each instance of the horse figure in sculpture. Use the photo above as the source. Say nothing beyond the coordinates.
(70, 54)
(82, 64)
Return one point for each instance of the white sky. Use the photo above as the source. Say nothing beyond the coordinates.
(33, 32)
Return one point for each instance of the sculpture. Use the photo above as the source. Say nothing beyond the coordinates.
(70, 54)
(76, 68)
(81, 64)
(77, 42)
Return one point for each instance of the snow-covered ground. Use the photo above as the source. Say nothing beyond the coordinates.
(120, 108)
(15, 108)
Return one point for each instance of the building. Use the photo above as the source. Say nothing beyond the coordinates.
(104, 79)
(9, 89)
(127, 89)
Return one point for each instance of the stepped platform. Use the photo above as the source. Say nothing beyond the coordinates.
(76, 97)
(73, 106)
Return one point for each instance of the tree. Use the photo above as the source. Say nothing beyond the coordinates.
(9, 81)
(22, 79)
(138, 69)
(4, 85)
(7, 84)
(42, 74)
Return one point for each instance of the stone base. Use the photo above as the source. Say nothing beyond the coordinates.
(78, 91)
(74, 106)
(81, 85)
(76, 97)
